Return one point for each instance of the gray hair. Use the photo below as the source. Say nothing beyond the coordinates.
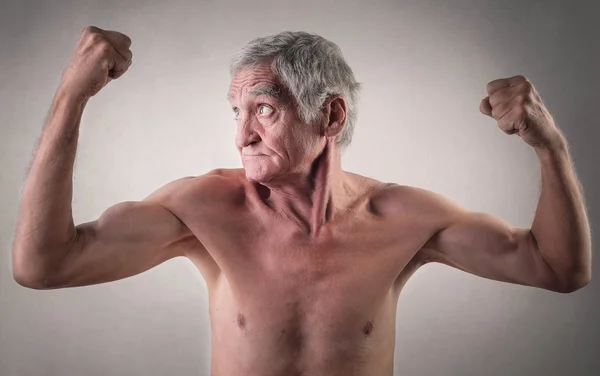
(311, 67)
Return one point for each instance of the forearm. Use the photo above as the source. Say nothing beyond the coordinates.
(45, 221)
(561, 226)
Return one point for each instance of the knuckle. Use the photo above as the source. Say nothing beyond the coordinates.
(506, 126)
(521, 77)
(104, 47)
(96, 38)
(494, 100)
(92, 33)
(88, 30)
(126, 39)
(495, 112)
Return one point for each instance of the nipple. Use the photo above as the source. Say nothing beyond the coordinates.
(241, 321)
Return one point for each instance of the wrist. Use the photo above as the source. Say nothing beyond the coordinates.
(70, 98)
(556, 146)
(552, 153)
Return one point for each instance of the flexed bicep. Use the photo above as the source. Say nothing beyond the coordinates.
(127, 239)
(487, 246)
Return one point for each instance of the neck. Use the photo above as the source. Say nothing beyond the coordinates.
(312, 197)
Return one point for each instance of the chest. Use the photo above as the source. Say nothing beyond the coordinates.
(353, 263)
(331, 297)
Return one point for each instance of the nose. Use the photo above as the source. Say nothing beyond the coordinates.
(247, 132)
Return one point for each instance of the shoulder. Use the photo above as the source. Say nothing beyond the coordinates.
(394, 200)
(430, 211)
(220, 181)
(224, 181)
(215, 186)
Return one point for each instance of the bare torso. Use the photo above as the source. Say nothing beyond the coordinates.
(283, 303)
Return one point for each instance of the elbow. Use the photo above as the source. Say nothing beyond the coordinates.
(574, 282)
(30, 281)
(572, 274)
(28, 275)
(36, 281)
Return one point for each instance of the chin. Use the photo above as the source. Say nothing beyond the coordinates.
(257, 173)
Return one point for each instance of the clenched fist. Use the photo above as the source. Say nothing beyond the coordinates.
(518, 108)
(100, 56)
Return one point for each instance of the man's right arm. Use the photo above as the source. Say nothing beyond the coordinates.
(127, 239)
(49, 251)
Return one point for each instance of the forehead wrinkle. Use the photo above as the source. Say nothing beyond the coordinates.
(270, 90)
(264, 84)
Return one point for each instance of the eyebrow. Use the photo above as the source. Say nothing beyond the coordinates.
(267, 89)
(274, 91)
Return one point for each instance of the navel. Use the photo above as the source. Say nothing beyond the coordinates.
(368, 328)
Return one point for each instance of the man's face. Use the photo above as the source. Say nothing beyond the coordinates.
(272, 140)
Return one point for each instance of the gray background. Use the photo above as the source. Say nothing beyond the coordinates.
(424, 66)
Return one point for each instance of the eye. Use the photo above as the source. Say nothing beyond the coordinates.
(236, 113)
(265, 110)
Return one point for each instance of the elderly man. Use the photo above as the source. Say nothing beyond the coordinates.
(304, 262)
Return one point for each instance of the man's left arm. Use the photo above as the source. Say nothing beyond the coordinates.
(555, 253)
(560, 226)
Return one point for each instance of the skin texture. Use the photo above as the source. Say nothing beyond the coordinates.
(304, 262)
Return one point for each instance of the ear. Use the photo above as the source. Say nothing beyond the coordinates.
(334, 110)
